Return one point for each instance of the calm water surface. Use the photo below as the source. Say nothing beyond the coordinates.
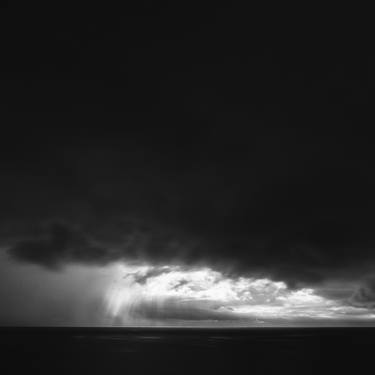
(186, 351)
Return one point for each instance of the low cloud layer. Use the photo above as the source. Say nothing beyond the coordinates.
(60, 243)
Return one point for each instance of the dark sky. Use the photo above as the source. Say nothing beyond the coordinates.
(189, 134)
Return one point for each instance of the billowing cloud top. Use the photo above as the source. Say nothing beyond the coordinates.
(181, 294)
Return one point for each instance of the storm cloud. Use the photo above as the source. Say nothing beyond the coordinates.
(364, 296)
(208, 145)
(274, 209)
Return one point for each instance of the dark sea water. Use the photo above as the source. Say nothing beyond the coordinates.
(187, 351)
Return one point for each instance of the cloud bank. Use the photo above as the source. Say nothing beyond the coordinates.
(176, 295)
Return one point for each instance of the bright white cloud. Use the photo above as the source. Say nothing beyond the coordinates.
(170, 290)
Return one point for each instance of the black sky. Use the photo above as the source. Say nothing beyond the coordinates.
(184, 133)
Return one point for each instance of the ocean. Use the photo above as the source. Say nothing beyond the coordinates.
(186, 350)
